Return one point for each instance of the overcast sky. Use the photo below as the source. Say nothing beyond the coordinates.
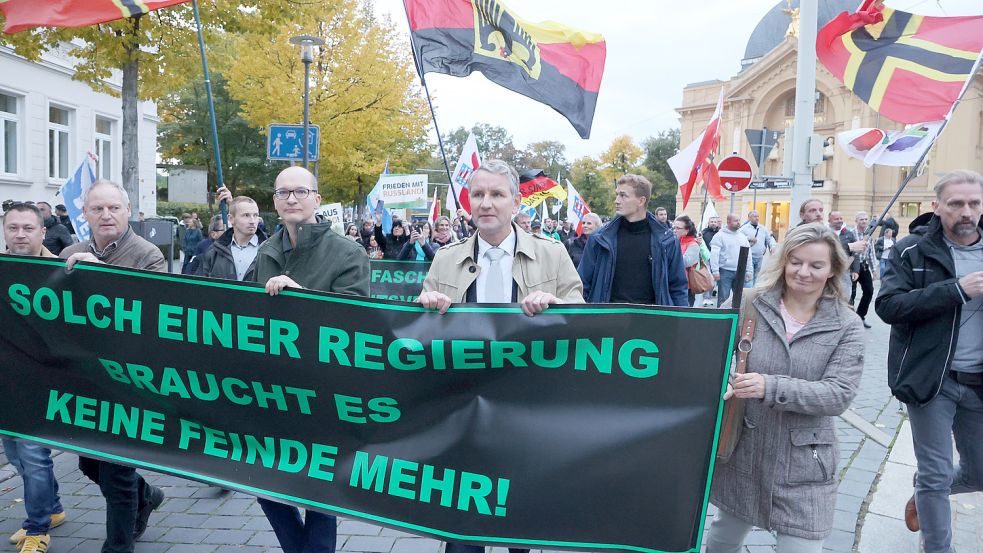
(653, 50)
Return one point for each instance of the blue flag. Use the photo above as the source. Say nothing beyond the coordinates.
(73, 191)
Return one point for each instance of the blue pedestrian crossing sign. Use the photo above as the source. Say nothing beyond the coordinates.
(284, 142)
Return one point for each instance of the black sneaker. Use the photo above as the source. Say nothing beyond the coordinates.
(143, 516)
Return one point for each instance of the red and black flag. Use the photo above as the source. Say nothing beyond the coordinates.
(26, 14)
(909, 68)
(557, 65)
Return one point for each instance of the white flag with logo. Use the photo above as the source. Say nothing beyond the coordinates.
(469, 161)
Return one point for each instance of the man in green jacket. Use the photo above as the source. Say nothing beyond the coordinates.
(306, 254)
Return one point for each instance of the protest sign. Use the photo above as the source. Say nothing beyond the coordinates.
(400, 191)
(332, 212)
(397, 280)
(584, 427)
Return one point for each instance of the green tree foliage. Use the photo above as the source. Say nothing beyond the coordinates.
(184, 137)
(588, 178)
(658, 150)
(159, 50)
(362, 94)
(550, 156)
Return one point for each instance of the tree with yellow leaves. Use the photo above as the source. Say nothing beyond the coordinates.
(157, 53)
(362, 94)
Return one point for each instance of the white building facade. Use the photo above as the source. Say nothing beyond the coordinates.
(51, 122)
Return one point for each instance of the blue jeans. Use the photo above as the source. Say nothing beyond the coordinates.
(756, 262)
(33, 464)
(726, 283)
(957, 412)
(318, 533)
(883, 267)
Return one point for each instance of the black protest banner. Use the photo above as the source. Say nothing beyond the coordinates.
(584, 427)
(397, 280)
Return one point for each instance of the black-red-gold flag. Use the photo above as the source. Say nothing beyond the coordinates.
(551, 63)
(26, 14)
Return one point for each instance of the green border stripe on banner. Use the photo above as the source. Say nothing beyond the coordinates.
(563, 309)
(401, 524)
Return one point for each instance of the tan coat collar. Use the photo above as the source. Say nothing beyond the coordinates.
(523, 245)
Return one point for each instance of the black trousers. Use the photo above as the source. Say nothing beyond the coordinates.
(125, 492)
(866, 281)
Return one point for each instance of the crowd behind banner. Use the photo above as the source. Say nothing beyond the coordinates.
(802, 293)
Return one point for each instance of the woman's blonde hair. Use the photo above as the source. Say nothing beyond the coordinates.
(772, 276)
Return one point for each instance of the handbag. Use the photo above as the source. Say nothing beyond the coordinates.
(700, 279)
(733, 420)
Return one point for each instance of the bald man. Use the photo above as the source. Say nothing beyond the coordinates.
(306, 253)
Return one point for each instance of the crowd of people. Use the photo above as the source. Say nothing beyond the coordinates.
(803, 370)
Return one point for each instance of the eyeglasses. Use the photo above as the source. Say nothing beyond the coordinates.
(300, 193)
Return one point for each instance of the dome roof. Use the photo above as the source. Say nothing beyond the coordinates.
(770, 31)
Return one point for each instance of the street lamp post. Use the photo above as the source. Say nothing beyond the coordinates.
(307, 44)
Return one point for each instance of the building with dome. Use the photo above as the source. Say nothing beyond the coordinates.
(762, 95)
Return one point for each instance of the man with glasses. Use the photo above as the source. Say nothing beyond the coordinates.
(305, 253)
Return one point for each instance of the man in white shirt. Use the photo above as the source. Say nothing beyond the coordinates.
(233, 255)
(724, 251)
(495, 264)
(760, 239)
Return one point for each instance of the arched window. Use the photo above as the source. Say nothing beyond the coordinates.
(819, 109)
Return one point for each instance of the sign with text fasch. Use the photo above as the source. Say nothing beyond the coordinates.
(588, 427)
(286, 143)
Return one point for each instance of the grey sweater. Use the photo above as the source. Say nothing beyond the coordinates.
(969, 346)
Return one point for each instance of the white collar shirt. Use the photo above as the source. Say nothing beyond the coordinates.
(505, 264)
(243, 256)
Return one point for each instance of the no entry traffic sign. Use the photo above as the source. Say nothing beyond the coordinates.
(735, 173)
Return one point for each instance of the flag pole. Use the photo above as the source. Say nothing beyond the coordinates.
(220, 180)
(921, 159)
(433, 114)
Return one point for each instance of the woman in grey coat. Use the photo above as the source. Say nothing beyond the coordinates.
(802, 371)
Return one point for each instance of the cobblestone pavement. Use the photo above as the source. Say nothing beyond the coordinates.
(197, 518)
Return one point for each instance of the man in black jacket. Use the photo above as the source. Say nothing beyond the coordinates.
(932, 295)
(233, 255)
(56, 236)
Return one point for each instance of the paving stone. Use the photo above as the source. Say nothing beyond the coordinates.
(853, 488)
(240, 549)
(235, 506)
(264, 539)
(358, 528)
(183, 520)
(225, 522)
(175, 505)
(92, 546)
(415, 545)
(205, 506)
(95, 531)
(369, 543)
(192, 548)
(185, 535)
(228, 536)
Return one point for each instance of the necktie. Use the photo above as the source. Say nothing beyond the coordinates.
(495, 283)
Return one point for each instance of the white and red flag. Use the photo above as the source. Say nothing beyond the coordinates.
(434, 209)
(577, 208)
(469, 161)
(694, 163)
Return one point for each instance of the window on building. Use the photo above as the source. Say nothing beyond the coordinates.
(910, 209)
(104, 147)
(8, 136)
(59, 134)
(819, 109)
